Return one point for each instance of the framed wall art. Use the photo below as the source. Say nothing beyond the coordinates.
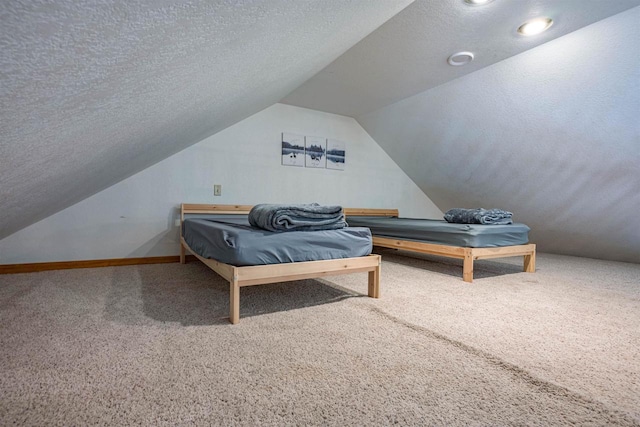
(315, 150)
(336, 154)
(292, 149)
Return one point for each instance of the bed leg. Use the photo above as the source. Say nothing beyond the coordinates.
(467, 267)
(234, 301)
(183, 259)
(374, 281)
(530, 262)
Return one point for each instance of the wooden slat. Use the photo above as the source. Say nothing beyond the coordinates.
(192, 208)
(427, 248)
(503, 252)
(95, 263)
(370, 212)
(262, 274)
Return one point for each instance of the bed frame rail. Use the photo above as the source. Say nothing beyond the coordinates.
(191, 208)
(370, 212)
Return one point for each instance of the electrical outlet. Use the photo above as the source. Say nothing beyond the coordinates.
(217, 190)
(177, 222)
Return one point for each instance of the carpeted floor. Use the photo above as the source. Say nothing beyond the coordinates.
(151, 345)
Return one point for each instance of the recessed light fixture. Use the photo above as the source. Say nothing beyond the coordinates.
(535, 26)
(477, 2)
(460, 58)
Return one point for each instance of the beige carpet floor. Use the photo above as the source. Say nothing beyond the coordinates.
(151, 345)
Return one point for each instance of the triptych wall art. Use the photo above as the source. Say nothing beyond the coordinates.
(312, 152)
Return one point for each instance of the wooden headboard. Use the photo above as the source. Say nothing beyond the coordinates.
(189, 208)
(371, 212)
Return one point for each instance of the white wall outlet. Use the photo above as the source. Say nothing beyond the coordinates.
(177, 222)
(217, 190)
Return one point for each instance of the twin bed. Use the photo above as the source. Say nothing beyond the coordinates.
(220, 236)
(468, 242)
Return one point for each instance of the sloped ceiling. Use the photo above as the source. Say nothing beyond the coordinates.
(551, 134)
(408, 54)
(545, 126)
(92, 92)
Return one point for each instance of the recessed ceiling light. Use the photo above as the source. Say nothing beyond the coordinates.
(535, 26)
(460, 58)
(477, 2)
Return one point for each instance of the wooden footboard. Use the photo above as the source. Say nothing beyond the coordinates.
(262, 274)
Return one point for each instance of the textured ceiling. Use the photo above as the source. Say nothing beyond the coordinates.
(94, 91)
(408, 54)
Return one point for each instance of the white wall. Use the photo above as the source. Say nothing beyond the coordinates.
(552, 134)
(135, 218)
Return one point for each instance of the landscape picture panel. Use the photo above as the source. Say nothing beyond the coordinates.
(315, 150)
(292, 149)
(336, 154)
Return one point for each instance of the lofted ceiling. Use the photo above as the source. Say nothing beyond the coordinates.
(94, 91)
(408, 54)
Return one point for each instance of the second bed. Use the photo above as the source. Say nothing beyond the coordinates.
(468, 242)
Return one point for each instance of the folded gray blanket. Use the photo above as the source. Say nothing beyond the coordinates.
(311, 217)
(478, 216)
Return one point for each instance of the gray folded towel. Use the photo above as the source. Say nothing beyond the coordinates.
(478, 216)
(303, 217)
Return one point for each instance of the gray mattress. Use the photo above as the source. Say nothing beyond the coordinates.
(231, 240)
(443, 233)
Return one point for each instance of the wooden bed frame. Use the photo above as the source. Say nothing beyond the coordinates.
(469, 255)
(263, 274)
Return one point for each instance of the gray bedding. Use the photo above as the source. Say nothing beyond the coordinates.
(309, 217)
(444, 233)
(478, 216)
(232, 240)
